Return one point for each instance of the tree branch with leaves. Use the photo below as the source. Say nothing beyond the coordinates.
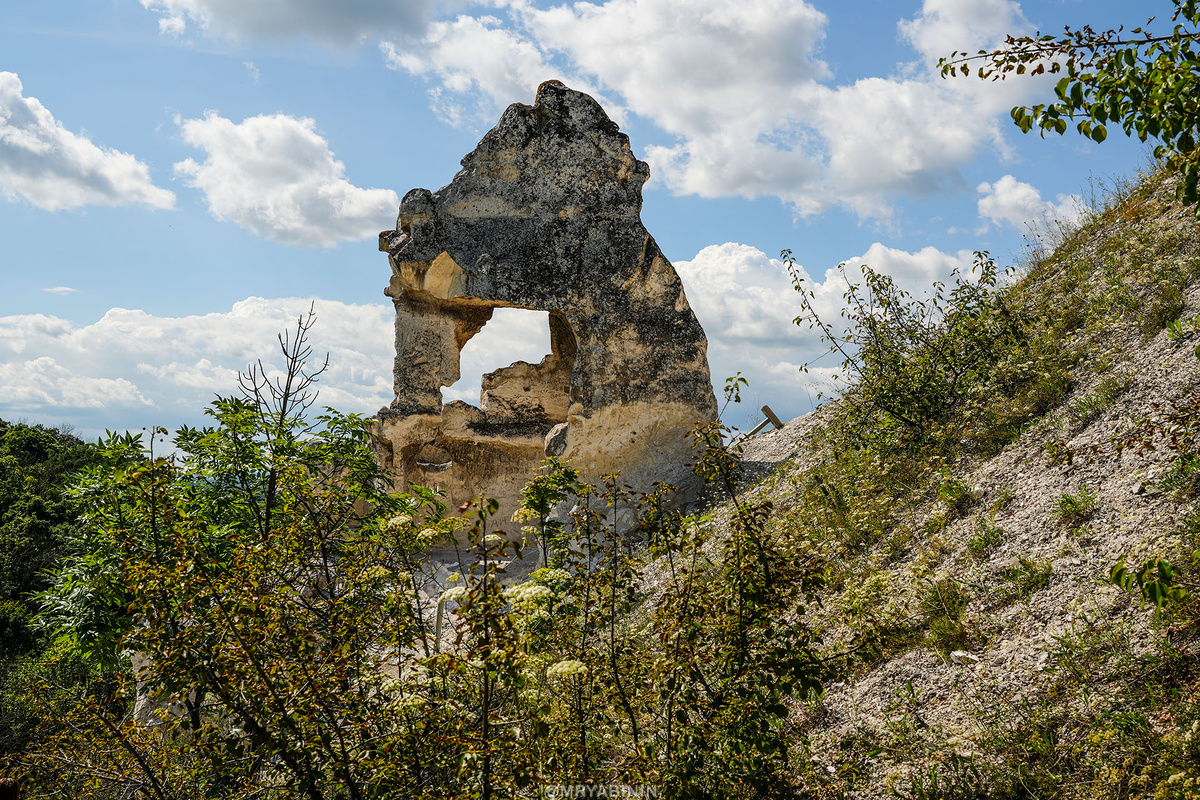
(1145, 84)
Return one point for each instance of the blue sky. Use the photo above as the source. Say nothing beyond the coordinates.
(180, 178)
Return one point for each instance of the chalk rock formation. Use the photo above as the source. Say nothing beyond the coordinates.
(544, 215)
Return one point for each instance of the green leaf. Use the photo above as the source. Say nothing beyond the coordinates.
(1077, 94)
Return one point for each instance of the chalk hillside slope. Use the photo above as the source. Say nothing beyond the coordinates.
(991, 654)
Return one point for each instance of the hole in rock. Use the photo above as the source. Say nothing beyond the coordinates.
(511, 335)
(432, 458)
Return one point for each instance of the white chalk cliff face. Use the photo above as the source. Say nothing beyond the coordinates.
(546, 215)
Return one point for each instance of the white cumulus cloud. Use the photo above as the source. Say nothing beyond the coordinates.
(692, 66)
(718, 76)
(914, 272)
(54, 169)
(339, 23)
(1019, 205)
(890, 136)
(43, 383)
(740, 294)
(132, 369)
(512, 334)
(944, 26)
(478, 66)
(275, 175)
(745, 302)
(743, 89)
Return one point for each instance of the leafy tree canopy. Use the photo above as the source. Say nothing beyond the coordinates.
(36, 464)
(37, 522)
(255, 617)
(1144, 83)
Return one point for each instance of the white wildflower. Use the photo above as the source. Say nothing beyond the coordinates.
(454, 594)
(528, 593)
(399, 522)
(552, 575)
(376, 573)
(390, 685)
(565, 669)
(524, 514)
(408, 702)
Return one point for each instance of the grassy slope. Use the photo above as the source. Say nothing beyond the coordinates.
(992, 658)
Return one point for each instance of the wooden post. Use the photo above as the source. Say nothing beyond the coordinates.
(769, 414)
(771, 419)
(756, 428)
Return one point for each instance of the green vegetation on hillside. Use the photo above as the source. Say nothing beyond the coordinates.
(255, 623)
(290, 644)
(890, 505)
(37, 524)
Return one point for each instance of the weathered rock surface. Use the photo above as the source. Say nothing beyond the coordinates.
(544, 215)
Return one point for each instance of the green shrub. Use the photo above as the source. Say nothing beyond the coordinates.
(947, 635)
(1182, 478)
(1165, 304)
(958, 495)
(942, 605)
(985, 539)
(916, 365)
(1026, 577)
(16, 630)
(1088, 407)
(943, 598)
(1075, 508)
(959, 778)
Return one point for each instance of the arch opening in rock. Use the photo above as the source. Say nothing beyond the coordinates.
(535, 382)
